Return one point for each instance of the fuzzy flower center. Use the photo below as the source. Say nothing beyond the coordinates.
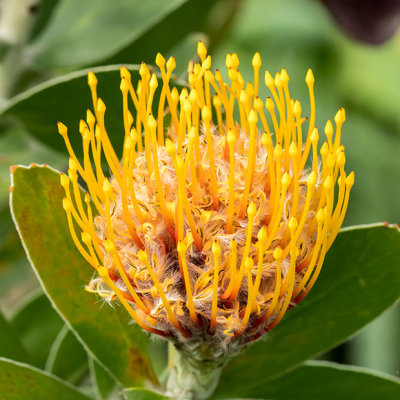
(208, 228)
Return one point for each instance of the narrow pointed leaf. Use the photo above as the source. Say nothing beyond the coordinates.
(360, 279)
(21, 381)
(66, 99)
(329, 381)
(106, 333)
(38, 324)
(10, 344)
(76, 36)
(67, 358)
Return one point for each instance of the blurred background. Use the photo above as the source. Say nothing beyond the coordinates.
(352, 46)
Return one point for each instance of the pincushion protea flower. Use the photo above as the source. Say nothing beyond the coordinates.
(209, 229)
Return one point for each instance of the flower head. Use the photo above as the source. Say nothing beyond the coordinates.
(208, 228)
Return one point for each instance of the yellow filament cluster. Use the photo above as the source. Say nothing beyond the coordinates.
(207, 225)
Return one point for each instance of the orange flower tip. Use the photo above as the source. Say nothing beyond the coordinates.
(341, 159)
(278, 81)
(86, 238)
(107, 186)
(258, 104)
(228, 60)
(128, 145)
(286, 180)
(328, 183)
(170, 148)
(109, 246)
(151, 122)
(67, 204)
(264, 139)
(320, 215)
(153, 82)
(350, 180)
(269, 104)
(339, 118)
(171, 64)
(143, 70)
(124, 73)
(324, 150)
(293, 224)
(13, 168)
(217, 103)
(284, 76)
(73, 165)
(160, 60)
(201, 50)
(262, 234)
(206, 64)
(124, 86)
(297, 109)
(235, 61)
(92, 80)
(293, 149)
(251, 210)
(62, 129)
(101, 107)
(216, 249)
(314, 136)
(143, 257)
(64, 180)
(206, 114)
(175, 95)
(312, 179)
(278, 151)
(328, 129)
(243, 97)
(11, 188)
(278, 253)
(253, 117)
(231, 137)
(187, 106)
(209, 76)
(310, 78)
(233, 75)
(32, 165)
(256, 61)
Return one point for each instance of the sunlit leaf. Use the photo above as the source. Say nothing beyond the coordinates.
(21, 381)
(323, 380)
(106, 333)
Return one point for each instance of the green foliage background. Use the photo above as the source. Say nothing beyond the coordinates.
(39, 85)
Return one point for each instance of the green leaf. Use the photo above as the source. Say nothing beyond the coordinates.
(10, 344)
(67, 98)
(76, 34)
(316, 380)
(191, 17)
(38, 324)
(104, 384)
(20, 381)
(67, 358)
(142, 394)
(361, 267)
(106, 333)
(18, 148)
